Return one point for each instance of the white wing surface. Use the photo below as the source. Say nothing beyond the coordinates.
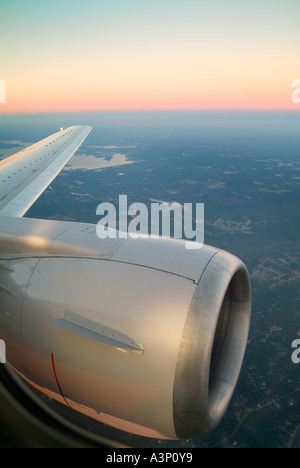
(26, 175)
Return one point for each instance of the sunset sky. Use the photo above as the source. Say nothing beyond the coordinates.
(103, 55)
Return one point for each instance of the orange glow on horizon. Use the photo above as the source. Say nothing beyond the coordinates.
(149, 102)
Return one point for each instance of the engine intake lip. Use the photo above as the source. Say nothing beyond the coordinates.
(212, 346)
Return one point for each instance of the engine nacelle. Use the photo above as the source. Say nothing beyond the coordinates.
(146, 336)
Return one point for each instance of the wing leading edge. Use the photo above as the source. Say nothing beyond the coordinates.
(26, 175)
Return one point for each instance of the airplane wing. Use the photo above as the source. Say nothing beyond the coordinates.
(26, 175)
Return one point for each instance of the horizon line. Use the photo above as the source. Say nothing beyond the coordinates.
(137, 111)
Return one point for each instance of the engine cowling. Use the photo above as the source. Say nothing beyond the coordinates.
(145, 335)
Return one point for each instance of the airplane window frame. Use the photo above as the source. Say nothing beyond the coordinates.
(27, 422)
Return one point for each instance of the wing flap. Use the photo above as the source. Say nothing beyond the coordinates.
(26, 175)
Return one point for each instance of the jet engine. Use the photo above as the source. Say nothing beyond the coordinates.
(142, 334)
